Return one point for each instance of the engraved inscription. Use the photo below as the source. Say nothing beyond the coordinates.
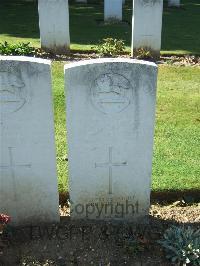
(149, 3)
(110, 164)
(111, 93)
(12, 93)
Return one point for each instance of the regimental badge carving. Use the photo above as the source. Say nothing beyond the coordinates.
(12, 93)
(111, 93)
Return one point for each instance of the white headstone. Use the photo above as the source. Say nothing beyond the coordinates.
(81, 1)
(147, 25)
(110, 125)
(112, 10)
(54, 25)
(28, 178)
(176, 3)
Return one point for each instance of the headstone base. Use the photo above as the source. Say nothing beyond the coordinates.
(61, 50)
(142, 53)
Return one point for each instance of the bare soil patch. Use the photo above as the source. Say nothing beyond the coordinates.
(177, 60)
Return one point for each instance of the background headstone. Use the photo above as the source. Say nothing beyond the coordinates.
(54, 25)
(176, 3)
(110, 125)
(147, 25)
(113, 10)
(28, 179)
(81, 1)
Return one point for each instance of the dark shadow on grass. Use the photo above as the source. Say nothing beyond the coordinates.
(189, 196)
(19, 19)
(85, 26)
(180, 26)
(166, 196)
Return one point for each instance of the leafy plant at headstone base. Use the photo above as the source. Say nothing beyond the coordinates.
(22, 49)
(4, 220)
(110, 47)
(17, 49)
(143, 53)
(182, 245)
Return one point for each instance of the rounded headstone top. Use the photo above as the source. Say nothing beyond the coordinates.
(25, 59)
(109, 60)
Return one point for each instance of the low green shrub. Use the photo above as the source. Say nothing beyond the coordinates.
(110, 47)
(182, 245)
(17, 49)
(143, 53)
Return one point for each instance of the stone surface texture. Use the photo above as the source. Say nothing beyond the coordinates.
(110, 125)
(28, 178)
(54, 25)
(113, 10)
(175, 3)
(147, 25)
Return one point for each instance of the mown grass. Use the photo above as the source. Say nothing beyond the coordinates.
(177, 135)
(181, 33)
(60, 124)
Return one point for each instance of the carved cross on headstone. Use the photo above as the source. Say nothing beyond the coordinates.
(110, 164)
(11, 165)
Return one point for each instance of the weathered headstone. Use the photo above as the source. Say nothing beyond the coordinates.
(175, 3)
(112, 10)
(81, 1)
(28, 179)
(110, 125)
(54, 25)
(147, 25)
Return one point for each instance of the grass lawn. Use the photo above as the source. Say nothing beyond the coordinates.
(181, 33)
(177, 135)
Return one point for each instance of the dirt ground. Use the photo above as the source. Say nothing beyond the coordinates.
(97, 243)
(177, 60)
